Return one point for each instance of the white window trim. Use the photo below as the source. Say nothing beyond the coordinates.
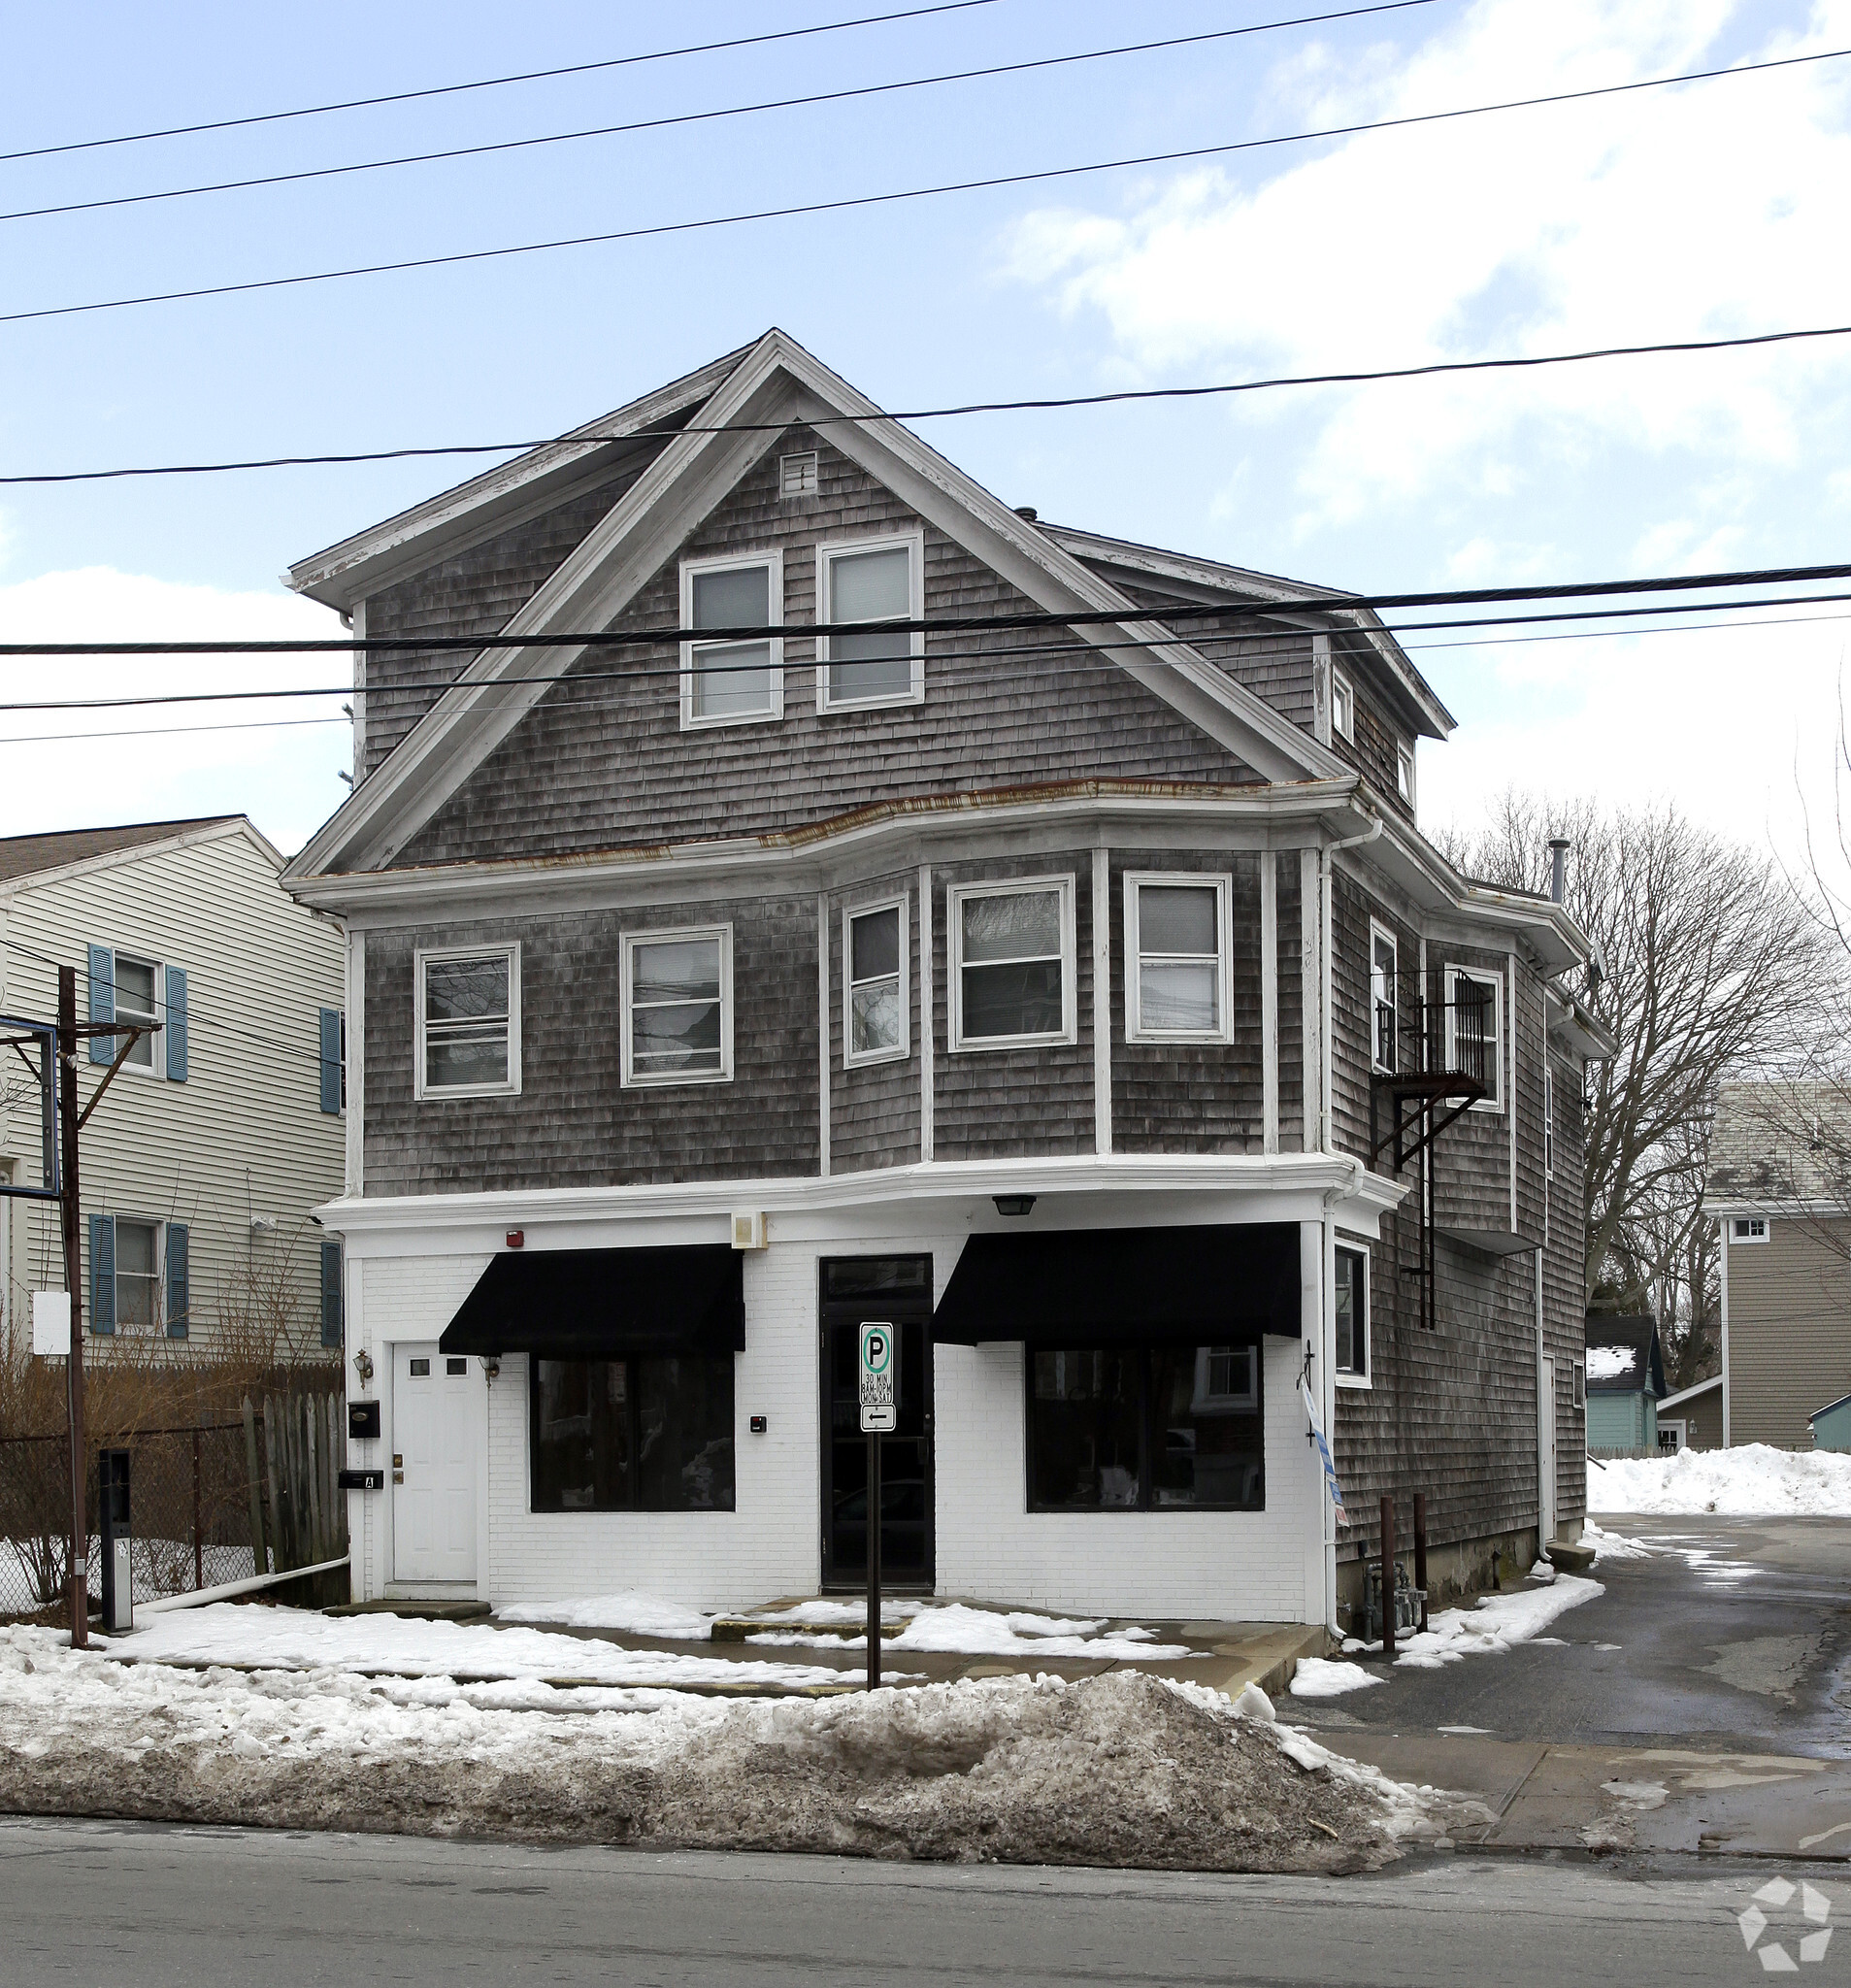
(1578, 1397)
(1548, 1118)
(511, 1086)
(1483, 976)
(156, 1065)
(1378, 930)
(734, 562)
(1405, 765)
(1366, 1379)
(1344, 695)
(1222, 884)
(1738, 1242)
(955, 895)
(654, 935)
(853, 1059)
(828, 552)
(158, 1326)
(1246, 1403)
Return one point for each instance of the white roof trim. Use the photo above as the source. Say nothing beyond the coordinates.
(136, 852)
(1677, 1401)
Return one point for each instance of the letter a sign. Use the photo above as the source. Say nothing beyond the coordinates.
(880, 1364)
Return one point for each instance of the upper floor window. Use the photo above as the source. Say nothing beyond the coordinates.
(1548, 1123)
(138, 999)
(136, 989)
(1404, 773)
(1343, 707)
(1748, 1229)
(876, 580)
(469, 1022)
(1178, 990)
(732, 682)
(1013, 963)
(1474, 1030)
(677, 1006)
(1352, 1315)
(1384, 997)
(875, 982)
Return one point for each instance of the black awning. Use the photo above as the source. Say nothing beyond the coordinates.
(1222, 1285)
(596, 1303)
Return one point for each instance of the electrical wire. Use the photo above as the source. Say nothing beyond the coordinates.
(449, 90)
(798, 210)
(672, 120)
(591, 442)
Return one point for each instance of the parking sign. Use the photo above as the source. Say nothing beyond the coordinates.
(879, 1369)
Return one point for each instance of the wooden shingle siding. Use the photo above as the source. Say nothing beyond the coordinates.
(618, 771)
(1789, 1329)
(473, 593)
(1378, 734)
(572, 1124)
(1275, 664)
(1190, 1097)
(874, 1108)
(1291, 942)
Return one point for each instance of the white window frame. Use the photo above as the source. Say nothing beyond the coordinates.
(1405, 771)
(1742, 1231)
(851, 1057)
(1207, 1402)
(1483, 976)
(157, 1322)
(1344, 701)
(1222, 884)
(1365, 1378)
(648, 935)
(156, 1064)
(828, 552)
(1378, 931)
(1578, 1386)
(1548, 1118)
(955, 895)
(734, 562)
(510, 1087)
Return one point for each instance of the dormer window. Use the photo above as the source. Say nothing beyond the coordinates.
(739, 681)
(1343, 707)
(878, 582)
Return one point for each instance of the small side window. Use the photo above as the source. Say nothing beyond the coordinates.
(875, 984)
(1404, 773)
(1343, 707)
(1352, 1316)
(1580, 1383)
(1748, 1229)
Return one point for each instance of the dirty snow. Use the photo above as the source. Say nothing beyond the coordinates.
(630, 1613)
(980, 1633)
(1752, 1481)
(1612, 1545)
(1608, 1363)
(1120, 1769)
(1327, 1677)
(1498, 1623)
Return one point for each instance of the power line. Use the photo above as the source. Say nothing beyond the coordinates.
(448, 90)
(672, 120)
(1659, 348)
(800, 209)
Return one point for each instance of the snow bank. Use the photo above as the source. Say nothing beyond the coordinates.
(630, 1613)
(1118, 1770)
(1612, 1545)
(1752, 1481)
(979, 1632)
(1323, 1677)
(1496, 1624)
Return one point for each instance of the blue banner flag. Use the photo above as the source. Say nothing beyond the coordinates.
(1324, 1452)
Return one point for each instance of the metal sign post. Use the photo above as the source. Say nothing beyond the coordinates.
(879, 1404)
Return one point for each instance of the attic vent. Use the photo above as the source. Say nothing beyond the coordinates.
(797, 475)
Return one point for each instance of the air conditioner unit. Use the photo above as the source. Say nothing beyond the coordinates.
(749, 1231)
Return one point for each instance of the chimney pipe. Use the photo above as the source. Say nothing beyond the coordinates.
(1557, 860)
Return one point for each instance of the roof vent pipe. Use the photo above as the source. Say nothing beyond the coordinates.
(1558, 864)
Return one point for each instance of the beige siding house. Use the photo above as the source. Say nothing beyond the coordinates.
(221, 1131)
(1778, 1186)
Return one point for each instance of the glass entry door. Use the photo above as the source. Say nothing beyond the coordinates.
(856, 1290)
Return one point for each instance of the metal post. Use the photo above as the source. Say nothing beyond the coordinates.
(79, 1564)
(1388, 1578)
(1420, 1554)
(199, 1547)
(874, 1563)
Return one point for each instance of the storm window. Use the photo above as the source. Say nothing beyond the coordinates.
(1352, 1314)
(875, 1003)
(1012, 964)
(632, 1435)
(877, 582)
(677, 1006)
(729, 682)
(1178, 988)
(469, 1022)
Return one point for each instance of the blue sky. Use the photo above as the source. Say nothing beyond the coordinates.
(1701, 212)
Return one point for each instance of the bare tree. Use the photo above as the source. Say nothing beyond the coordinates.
(1710, 963)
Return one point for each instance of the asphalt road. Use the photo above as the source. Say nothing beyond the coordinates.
(1736, 1635)
(229, 1909)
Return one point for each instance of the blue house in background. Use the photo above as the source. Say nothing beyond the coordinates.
(1832, 1425)
(1626, 1383)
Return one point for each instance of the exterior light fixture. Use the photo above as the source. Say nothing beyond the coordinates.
(1014, 1203)
(363, 1367)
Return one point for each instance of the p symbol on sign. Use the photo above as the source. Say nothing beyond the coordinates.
(878, 1396)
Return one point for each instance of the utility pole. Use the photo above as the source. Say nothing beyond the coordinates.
(79, 1562)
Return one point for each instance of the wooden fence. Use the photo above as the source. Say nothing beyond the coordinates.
(298, 1512)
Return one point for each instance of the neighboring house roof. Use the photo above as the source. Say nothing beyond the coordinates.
(1685, 1395)
(23, 855)
(1623, 1356)
(1781, 1143)
(1829, 1407)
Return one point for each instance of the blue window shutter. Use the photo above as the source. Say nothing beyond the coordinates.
(331, 1294)
(176, 1030)
(103, 1274)
(180, 1301)
(330, 1059)
(102, 1000)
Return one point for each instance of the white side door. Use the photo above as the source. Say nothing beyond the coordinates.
(1545, 1452)
(433, 1464)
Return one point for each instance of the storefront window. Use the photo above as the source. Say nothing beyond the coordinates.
(1140, 1428)
(632, 1435)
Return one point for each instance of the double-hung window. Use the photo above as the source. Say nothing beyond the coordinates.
(138, 984)
(1352, 1316)
(1404, 773)
(1180, 943)
(1474, 1030)
(1013, 963)
(1384, 997)
(873, 1022)
(469, 1022)
(138, 1274)
(878, 582)
(739, 681)
(677, 1006)
(1343, 707)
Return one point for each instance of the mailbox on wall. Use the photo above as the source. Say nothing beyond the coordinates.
(363, 1421)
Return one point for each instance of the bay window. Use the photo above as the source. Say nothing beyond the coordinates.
(1012, 964)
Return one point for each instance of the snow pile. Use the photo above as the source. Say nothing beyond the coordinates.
(1496, 1624)
(980, 1632)
(1612, 1545)
(1608, 1363)
(630, 1613)
(1752, 1481)
(1324, 1677)
(1118, 1770)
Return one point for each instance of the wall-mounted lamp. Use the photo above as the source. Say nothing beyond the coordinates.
(491, 1367)
(363, 1367)
(1012, 1204)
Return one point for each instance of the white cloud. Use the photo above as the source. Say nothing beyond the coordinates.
(283, 776)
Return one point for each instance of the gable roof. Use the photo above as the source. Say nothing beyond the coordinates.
(1781, 1143)
(26, 855)
(775, 383)
(1632, 1361)
(1689, 1394)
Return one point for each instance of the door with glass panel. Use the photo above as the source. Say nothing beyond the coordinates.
(433, 1464)
(856, 1290)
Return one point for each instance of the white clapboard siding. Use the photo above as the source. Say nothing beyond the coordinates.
(245, 1135)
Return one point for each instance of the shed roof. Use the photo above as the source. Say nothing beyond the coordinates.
(1623, 1356)
(21, 855)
